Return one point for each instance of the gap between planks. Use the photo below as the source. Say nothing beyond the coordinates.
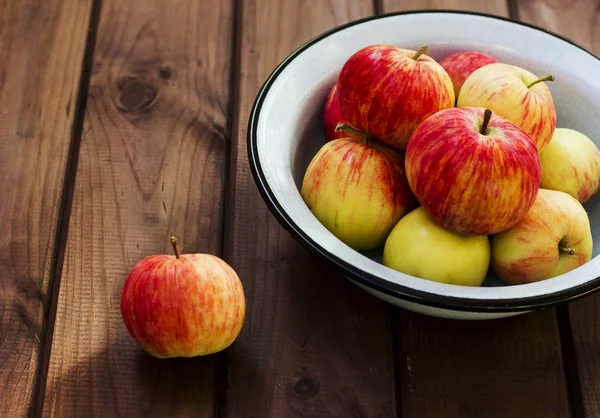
(222, 364)
(65, 206)
(571, 369)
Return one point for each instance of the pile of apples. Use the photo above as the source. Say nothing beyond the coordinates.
(453, 167)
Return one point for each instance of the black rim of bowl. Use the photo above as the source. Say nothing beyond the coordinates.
(365, 278)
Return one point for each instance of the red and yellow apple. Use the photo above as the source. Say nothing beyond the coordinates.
(475, 172)
(515, 94)
(571, 164)
(552, 239)
(184, 305)
(461, 65)
(387, 91)
(358, 190)
(421, 248)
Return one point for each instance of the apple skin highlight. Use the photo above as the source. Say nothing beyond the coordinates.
(183, 307)
(386, 93)
(473, 184)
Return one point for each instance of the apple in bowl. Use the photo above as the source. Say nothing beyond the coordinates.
(461, 65)
(475, 172)
(283, 137)
(515, 94)
(388, 91)
(356, 187)
(553, 238)
(571, 164)
(332, 116)
(420, 247)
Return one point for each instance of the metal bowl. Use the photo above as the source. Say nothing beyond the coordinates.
(285, 131)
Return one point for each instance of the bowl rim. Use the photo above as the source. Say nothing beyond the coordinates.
(365, 278)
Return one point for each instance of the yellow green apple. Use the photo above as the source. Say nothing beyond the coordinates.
(356, 187)
(571, 164)
(515, 94)
(553, 238)
(419, 247)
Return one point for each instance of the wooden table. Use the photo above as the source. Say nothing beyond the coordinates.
(123, 122)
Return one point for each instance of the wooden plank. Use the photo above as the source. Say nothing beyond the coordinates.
(580, 22)
(152, 163)
(504, 368)
(313, 344)
(42, 44)
(511, 367)
(577, 20)
(495, 7)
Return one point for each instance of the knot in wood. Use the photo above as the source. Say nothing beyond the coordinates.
(165, 73)
(306, 388)
(136, 95)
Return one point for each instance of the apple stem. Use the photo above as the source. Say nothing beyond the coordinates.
(566, 250)
(175, 246)
(420, 52)
(548, 77)
(486, 119)
(343, 127)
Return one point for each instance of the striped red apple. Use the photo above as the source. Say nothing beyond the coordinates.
(387, 91)
(332, 115)
(356, 188)
(184, 305)
(475, 172)
(461, 65)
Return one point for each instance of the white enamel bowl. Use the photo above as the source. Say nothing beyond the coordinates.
(285, 132)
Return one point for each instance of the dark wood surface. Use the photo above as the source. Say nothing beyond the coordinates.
(152, 163)
(302, 352)
(42, 45)
(156, 145)
(508, 368)
(580, 22)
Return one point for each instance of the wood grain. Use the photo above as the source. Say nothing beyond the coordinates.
(42, 46)
(578, 21)
(495, 7)
(152, 163)
(313, 345)
(505, 368)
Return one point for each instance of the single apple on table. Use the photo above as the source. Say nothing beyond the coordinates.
(356, 187)
(571, 164)
(515, 94)
(552, 239)
(461, 65)
(419, 247)
(185, 305)
(387, 91)
(475, 172)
